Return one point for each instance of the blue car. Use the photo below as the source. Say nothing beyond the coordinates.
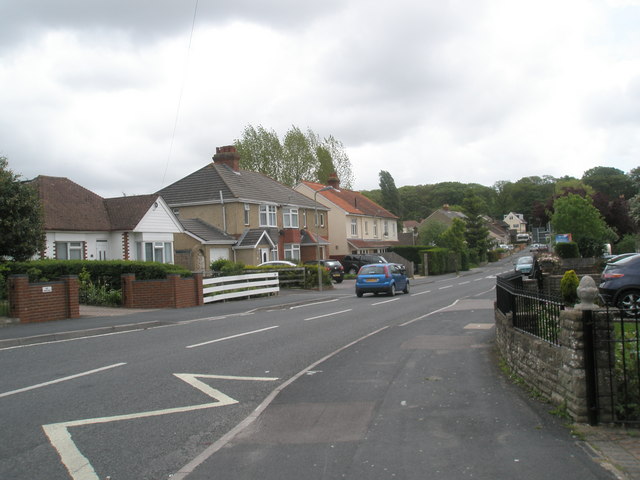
(381, 278)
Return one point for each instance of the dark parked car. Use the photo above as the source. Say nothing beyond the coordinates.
(381, 278)
(620, 284)
(352, 263)
(333, 267)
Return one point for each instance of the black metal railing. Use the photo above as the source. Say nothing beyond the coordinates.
(533, 312)
(617, 363)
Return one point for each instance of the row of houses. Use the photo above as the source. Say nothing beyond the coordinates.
(216, 212)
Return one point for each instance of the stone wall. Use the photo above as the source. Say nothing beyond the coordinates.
(556, 371)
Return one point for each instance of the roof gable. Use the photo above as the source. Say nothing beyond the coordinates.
(352, 202)
(210, 182)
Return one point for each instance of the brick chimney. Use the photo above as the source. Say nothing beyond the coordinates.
(334, 181)
(229, 156)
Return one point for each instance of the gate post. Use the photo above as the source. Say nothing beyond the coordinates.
(590, 367)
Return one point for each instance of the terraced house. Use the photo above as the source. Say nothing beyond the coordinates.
(242, 216)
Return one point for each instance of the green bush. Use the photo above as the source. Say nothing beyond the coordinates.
(628, 243)
(311, 276)
(567, 250)
(569, 287)
(494, 255)
(100, 272)
(227, 268)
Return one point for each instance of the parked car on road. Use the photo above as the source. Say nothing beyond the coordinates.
(352, 263)
(277, 263)
(333, 267)
(524, 265)
(620, 284)
(381, 278)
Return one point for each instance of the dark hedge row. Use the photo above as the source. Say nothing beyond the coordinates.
(101, 273)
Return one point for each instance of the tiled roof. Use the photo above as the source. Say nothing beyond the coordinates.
(205, 231)
(71, 207)
(253, 237)
(352, 202)
(204, 186)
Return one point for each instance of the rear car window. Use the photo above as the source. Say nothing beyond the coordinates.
(372, 270)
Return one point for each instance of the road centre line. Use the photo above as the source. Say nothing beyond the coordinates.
(420, 293)
(428, 314)
(328, 315)
(231, 337)
(464, 283)
(385, 301)
(442, 288)
(314, 303)
(63, 379)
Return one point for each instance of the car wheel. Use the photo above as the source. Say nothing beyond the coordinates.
(629, 302)
(406, 288)
(353, 270)
(358, 293)
(392, 290)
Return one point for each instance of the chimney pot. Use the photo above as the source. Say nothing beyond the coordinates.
(227, 155)
(334, 181)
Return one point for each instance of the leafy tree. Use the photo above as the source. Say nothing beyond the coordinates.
(430, 233)
(301, 156)
(477, 233)
(454, 236)
(21, 221)
(325, 165)
(577, 215)
(390, 196)
(610, 181)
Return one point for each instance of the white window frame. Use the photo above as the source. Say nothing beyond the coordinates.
(354, 227)
(292, 251)
(68, 250)
(161, 252)
(268, 216)
(247, 211)
(290, 217)
(386, 228)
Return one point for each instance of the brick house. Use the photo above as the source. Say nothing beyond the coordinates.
(357, 224)
(247, 216)
(82, 225)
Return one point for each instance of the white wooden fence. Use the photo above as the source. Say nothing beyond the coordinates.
(239, 286)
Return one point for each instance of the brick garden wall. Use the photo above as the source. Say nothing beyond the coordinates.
(43, 301)
(172, 292)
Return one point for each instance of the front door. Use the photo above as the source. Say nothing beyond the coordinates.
(101, 249)
(264, 255)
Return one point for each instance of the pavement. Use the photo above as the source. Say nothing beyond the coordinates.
(615, 448)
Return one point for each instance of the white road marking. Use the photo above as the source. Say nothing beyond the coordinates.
(88, 337)
(79, 466)
(226, 438)
(464, 283)
(313, 304)
(327, 315)
(448, 286)
(385, 301)
(64, 379)
(428, 314)
(230, 337)
(420, 293)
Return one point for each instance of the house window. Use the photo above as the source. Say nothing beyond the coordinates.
(319, 219)
(268, 216)
(386, 228)
(375, 229)
(292, 251)
(366, 227)
(354, 227)
(161, 252)
(290, 217)
(247, 210)
(69, 250)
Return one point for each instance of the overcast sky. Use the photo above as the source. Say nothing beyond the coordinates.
(128, 96)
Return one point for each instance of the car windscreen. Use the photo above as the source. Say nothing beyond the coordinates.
(372, 270)
(525, 260)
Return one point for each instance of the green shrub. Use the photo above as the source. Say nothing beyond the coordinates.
(227, 268)
(567, 250)
(569, 287)
(628, 243)
(311, 276)
(494, 255)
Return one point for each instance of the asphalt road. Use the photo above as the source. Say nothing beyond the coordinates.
(329, 386)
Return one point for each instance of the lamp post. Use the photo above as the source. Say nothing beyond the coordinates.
(315, 194)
